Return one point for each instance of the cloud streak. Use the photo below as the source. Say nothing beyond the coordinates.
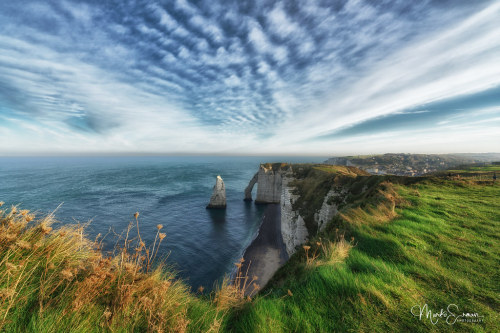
(243, 77)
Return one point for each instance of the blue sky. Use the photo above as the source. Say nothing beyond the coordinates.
(249, 77)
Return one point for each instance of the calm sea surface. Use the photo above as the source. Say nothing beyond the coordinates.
(173, 191)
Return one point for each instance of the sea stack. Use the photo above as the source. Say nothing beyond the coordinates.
(218, 199)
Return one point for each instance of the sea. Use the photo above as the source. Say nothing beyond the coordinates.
(104, 193)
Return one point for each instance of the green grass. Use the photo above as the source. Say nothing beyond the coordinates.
(443, 248)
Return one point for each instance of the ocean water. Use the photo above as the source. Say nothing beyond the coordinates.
(201, 244)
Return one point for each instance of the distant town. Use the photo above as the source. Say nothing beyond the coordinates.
(412, 164)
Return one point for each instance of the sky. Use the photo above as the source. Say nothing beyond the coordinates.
(252, 77)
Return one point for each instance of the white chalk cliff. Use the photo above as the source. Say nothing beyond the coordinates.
(293, 226)
(274, 185)
(218, 199)
(269, 185)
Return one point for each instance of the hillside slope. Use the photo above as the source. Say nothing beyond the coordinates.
(414, 242)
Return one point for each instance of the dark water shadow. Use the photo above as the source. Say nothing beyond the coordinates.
(217, 216)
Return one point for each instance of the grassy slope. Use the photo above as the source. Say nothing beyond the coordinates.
(442, 248)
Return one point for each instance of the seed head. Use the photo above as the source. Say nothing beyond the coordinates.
(200, 289)
(159, 226)
(107, 314)
(162, 235)
(306, 247)
(45, 229)
(67, 274)
(10, 267)
(23, 244)
(1, 203)
(289, 292)
(136, 215)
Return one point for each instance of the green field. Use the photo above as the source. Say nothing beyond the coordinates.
(429, 241)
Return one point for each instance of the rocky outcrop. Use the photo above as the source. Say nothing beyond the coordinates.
(218, 199)
(269, 184)
(249, 188)
(278, 183)
(329, 208)
(293, 226)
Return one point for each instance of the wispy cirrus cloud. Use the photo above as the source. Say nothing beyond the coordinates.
(241, 77)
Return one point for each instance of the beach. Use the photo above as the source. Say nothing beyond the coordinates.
(267, 253)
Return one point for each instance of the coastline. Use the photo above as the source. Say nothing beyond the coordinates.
(267, 252)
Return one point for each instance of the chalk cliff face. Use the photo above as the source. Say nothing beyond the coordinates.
(218, 199)
(277, 183)
(329, 208)
(293, 226)
(269, 185)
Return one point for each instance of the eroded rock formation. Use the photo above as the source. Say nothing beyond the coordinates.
(269, 184)
(218, 199)
(249, 188)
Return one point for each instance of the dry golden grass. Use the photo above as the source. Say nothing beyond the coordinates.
(61, 271)
(58, 273)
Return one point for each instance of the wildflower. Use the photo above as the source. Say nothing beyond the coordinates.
(162, 235)
(237, 264)
(318, 243)
(255, 277)
(24, 212)
(242, 260)
(136, 215)
(200, 289)
(159, 226)
(256, 286)
(289, 292)
(306, 247)
(29, 217)
(352, 239)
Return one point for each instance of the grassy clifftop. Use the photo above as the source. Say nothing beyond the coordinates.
(401, 245)
(412, 243)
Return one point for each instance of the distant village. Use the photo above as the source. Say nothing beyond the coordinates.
(411, 164)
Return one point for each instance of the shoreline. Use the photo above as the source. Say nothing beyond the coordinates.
(267, 252)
